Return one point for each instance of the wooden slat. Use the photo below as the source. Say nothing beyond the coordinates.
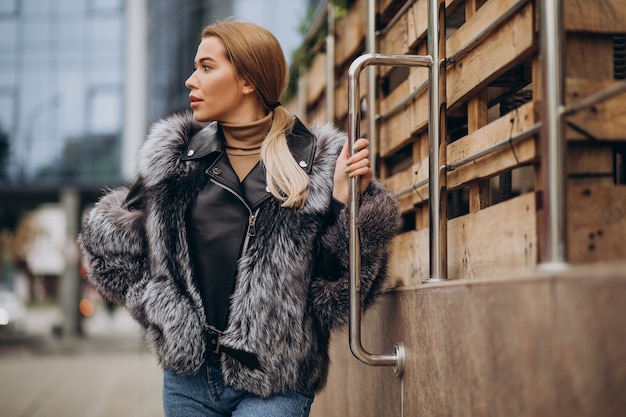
(598, 16)
(596, 224)
(590, 159)
(498, 131)
(417, 173)
(499, 241)
(589, 57)
(506, 47)
(406, 31)
(350, 33)
(316, 78)
(396, 39)
(482, 18)
(394, 133)
(409, 261)
(603, 121)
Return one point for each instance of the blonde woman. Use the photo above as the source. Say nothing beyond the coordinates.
(231, 248)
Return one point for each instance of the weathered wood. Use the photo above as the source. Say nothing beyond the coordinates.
(605, 120)
(409, 261)
(590, 159)
(589, 57)
(316, 78)
(505, 48)
(498, 131)
(494, 242)
(477, 118)
(596, 224)
(350, 33)
(598, 16)
(408, 178)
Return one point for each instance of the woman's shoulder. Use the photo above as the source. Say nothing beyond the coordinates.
(165, 145)
(328, 139)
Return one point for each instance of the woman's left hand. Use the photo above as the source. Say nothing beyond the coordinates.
(357, 165)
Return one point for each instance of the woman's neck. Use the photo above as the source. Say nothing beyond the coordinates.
(243, 143)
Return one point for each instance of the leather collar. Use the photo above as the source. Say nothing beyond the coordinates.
(210, 139)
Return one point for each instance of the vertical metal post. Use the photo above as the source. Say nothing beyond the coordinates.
(330, 63)
(371, 82)
(70, 284)
(397, 359)
(135, 106)
(437, 187)
(553, 245)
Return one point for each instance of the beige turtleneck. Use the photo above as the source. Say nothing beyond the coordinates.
(243, 143)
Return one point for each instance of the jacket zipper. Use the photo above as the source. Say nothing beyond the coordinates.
(251, 230)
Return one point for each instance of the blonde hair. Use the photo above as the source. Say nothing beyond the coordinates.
(258, 58)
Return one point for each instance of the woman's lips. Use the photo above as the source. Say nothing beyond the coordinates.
(194, 101)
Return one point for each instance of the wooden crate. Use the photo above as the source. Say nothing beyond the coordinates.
(493, 92)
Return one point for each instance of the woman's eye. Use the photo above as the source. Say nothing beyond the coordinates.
(206, 68)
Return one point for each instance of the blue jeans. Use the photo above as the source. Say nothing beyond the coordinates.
(205, 395)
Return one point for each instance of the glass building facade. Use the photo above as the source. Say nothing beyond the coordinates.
(61, 91)
(173, 35)
(63, 79)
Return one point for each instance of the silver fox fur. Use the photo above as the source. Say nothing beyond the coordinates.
(279, 309)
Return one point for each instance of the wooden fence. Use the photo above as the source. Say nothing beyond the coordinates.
(493, 91)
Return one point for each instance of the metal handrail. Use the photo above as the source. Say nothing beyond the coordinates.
(398, 358)
(525, 134)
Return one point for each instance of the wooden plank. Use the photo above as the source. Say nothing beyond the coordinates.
(605, 120)
(396, 38)
(398, 128)
(477, 118)
(394, 133)
(316, 78)
(417, 21)
(497, 242)
(409, 260)
(498, 131)
(598, 16)
(350, 33)
(506, 47)
(590, 159)
(596, 224)
(405, 179)
(589, 57)
(482, 18)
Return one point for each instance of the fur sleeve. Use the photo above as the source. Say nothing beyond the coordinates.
(113, 242)
(378, 222)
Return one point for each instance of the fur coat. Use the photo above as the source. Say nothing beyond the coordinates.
(280, 310)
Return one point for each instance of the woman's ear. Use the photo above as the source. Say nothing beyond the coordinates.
(247, 88)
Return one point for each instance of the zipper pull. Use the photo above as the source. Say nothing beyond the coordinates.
(252, 225)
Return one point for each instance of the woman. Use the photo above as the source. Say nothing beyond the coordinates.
(231, 247)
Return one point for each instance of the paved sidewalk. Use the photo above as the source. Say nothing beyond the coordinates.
(106, 373)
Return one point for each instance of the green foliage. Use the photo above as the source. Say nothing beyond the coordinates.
(303, 56)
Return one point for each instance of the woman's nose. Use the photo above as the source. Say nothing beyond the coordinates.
(189, 83)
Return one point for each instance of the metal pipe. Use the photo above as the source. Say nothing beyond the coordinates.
(397, 359)
(371, 83)
(595, 98)
(531, 131)
(437, 189)
(330, 64)
(404, 102)
(554, 250)
(484, 34)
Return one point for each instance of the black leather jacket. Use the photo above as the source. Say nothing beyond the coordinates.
(283, 308)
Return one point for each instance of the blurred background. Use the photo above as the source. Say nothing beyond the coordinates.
(81, 81)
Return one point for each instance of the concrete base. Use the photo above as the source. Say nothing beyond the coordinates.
(548, 344)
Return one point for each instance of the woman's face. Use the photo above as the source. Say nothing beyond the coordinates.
(216, 92)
